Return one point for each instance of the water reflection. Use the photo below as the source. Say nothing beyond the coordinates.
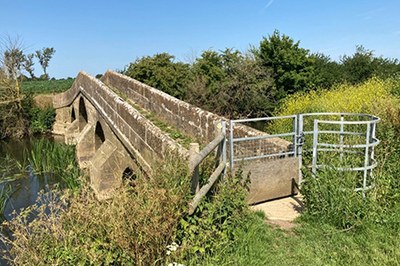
(25, 185)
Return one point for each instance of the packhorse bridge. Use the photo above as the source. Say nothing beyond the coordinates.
(110, 121)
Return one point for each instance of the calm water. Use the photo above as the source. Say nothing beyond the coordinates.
(26, 186)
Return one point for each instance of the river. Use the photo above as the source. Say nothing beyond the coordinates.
(18, 176)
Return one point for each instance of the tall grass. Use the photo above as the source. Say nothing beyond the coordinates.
(133, 228)
(5, 191)
(49, 157)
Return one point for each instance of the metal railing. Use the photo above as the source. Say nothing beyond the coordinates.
(197, 157)
(319, 126)
(250, 147)
(245, 148)
(361, 130)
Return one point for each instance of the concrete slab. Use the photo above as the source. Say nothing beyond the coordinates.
(271, 179)
(284, 209)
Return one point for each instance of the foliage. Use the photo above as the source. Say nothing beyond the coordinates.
(161, 72)
(363, 65)
(327, 199)
(44, 56)
(46, 86)
(49, 157)
(13, 122)
(213, 223)
(41, 120)
(5, 191)
(291, 65)
(327, 72)
(231, 84)
(353, 69)
(28, 65)
(132, 228)
(368, 97)
(14, 60)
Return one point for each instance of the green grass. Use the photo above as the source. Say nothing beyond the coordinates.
(171, 131)
(46, 86)
(309, 244)
(55, 158)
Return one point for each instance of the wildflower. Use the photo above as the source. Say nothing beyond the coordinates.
(172, 248)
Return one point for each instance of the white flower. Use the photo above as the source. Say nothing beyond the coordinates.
(171, 248)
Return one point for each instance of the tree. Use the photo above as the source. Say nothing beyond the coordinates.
(326, 71)
(231, 84)
(363, 64)
(292, 66)
(28, 65)
(358, 67)
(160, 71)
(44, 56)
(12, 60)
(12, 57)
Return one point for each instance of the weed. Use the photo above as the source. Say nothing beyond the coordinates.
(133, 228)
(212, 225)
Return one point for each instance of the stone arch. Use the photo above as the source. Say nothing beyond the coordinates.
(73, 115)
(83, 116)
(128, 175)
(99, 136)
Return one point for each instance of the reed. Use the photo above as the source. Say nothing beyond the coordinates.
(48, 157)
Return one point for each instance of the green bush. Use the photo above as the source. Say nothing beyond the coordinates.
(132, 228)
(41, 120)
(214, 221)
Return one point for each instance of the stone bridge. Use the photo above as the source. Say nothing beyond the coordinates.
(111, 121)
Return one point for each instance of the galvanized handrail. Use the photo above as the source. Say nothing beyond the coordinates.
(233, 139)
(370, 142)
(298, 133)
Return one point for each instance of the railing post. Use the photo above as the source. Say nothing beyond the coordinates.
(366, 159)
(315, 148)
(194, 149)
(231, 124)
(223, 143)
(299, 145)
(341, 137)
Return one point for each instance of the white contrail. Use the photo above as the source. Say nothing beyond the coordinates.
(268, 5)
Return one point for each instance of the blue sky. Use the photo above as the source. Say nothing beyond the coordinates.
(98, 35)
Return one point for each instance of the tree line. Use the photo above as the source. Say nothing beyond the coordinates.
(253, 83)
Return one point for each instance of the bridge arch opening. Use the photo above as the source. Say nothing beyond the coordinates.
(129, 176)
(73, 115)
(99, 136)
(83, 117)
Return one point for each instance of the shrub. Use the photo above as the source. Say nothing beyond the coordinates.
(213, 224)
(132, 228)
(41, 120)
(329, 197)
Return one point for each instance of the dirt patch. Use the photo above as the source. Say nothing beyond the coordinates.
(44, 100)
(282, 224)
